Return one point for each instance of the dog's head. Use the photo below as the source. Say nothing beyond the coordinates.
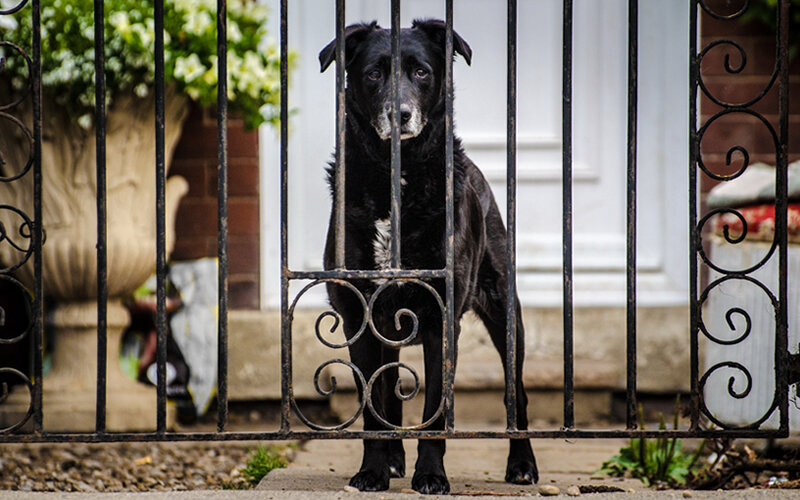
(368, 64)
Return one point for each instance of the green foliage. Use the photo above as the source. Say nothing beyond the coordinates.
(262, 460)
(655, 460)
(190, 54)
(765, 12)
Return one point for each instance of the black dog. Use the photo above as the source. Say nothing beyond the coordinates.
(480, 241)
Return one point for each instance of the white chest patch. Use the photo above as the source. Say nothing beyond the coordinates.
(382, 245)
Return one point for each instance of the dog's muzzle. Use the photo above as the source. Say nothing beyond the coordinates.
(411, 122)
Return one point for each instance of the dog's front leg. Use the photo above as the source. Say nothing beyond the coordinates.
(374, 472)
(429, 475)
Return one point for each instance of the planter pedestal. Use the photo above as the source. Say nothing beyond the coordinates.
(69, 397)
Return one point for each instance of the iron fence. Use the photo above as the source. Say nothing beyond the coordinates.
(32, 230)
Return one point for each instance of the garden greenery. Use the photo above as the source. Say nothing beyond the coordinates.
(190, 54)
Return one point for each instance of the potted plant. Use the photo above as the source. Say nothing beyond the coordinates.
(68, 164)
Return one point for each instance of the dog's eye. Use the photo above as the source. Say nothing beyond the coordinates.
(421, 72)
(374, 74)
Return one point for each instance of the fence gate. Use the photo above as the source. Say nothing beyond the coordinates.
(32, 232)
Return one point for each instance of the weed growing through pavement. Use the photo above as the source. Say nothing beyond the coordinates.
(262, 460)
(654, 461)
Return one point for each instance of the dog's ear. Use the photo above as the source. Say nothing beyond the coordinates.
(435, 29)
(353, 35)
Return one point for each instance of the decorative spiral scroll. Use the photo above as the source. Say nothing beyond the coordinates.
(734, 149)
(24, 232)
(14, 9)
(741, 394)
(28, 163)
(398, 391)
(329, 392)
(4, 392)
(724, 17)
(333, 314)
(29, 65)
(732, 311)
(731, 240)
(26, 300)
(401, 312)
(733, 70)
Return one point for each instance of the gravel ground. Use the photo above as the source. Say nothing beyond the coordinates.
(124, 466)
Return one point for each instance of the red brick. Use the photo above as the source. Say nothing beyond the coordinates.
(711, 26)
(243, 255)
(192, 248)
(196, 174)
(243, 216)
(242, 143)
(197, 218)
(759, 57)
(737, 129)
(243, 294)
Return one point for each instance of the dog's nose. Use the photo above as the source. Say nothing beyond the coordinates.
(405, 113)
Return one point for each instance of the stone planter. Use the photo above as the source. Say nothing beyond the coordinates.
(69, 258)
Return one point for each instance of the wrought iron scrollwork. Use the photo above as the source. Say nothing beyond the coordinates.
(14, 235)
(740, 322)
(368, 322)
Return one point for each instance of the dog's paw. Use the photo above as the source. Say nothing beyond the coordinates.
(522, 472)
(370, 480)
(430, 484)
(397, 464)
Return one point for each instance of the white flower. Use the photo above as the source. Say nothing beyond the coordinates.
(85, 121)
(234, 35)
(197, 22)
(120, 22)
(189, 68)
(141, 90)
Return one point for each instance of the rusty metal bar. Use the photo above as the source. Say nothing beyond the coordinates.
(633, 52)
(286, 339)
(339, 182)
(449, 338)
(511, 217)
(781, 203)
(397, 173)
(222, 208)
(161, 252)
(385, 434)
(569, 390)
(38, 231)
(102, 250)
(694, 308)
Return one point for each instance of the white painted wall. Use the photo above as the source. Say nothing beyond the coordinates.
(600, 97)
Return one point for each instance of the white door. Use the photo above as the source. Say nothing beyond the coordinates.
(599, 124)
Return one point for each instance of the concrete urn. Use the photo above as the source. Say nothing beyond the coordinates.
(69, 254)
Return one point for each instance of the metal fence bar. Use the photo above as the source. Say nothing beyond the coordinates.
(161, 257)
(781, 195)
(396, 165)
(222, 207)
(694, 309)
(449, 338)
(382, 434)
(340, 135)
(633, 52)
(511, 218)
(286, 339)
(38, 231)
(102, 251)
(569, 391)
(367, 274)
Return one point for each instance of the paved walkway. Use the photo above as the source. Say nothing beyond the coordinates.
(321, 470)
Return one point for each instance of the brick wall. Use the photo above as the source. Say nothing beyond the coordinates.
(758, 42)
(196, 225)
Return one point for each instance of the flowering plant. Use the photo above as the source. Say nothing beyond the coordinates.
(190, 54)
